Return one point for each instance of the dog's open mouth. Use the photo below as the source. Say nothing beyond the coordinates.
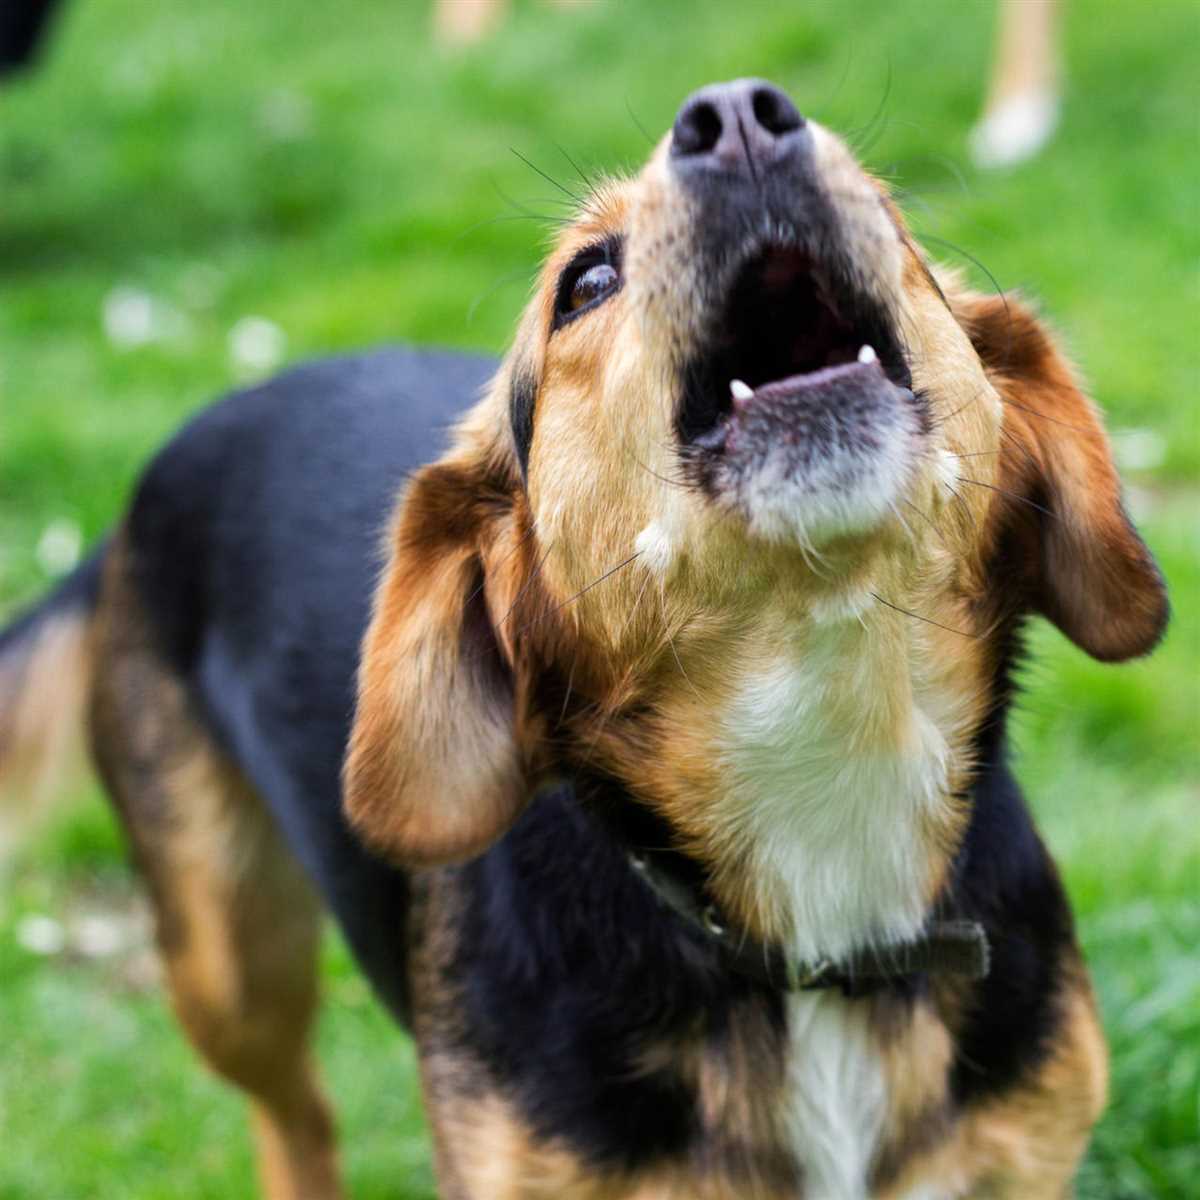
(787, 332)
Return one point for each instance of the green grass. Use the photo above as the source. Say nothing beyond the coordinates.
(321, 166)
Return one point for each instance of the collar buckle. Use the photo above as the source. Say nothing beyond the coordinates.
(812, 975)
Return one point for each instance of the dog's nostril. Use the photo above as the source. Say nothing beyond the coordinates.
(697, 129)
(775, 112)
(727, 123)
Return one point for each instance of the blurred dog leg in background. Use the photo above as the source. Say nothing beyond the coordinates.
(462, 22)
(1022, 108)
(22, 25)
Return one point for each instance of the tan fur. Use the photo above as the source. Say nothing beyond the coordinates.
(1027, 1143)
(498, 1158)
(236, 919)
(1090, 573)
(42, 695)
(433, 774)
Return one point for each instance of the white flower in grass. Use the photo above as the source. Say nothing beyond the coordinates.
(132, 317)
(1138, 449)
(59, 547)
(40, 934)
(1140, 502)
(256, 345)
(285, 115)
(129, 317)
(97, 936)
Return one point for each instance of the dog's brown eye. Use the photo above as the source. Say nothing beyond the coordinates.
(593, 276)
(593, 284)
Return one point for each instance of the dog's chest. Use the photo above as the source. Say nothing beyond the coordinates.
(838, 774)
(835, 1094)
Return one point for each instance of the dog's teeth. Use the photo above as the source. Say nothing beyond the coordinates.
(739, 390)
(867, 355)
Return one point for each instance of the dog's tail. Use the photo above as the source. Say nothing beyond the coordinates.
(45, 678)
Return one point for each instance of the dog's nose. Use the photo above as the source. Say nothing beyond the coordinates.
(742, 127)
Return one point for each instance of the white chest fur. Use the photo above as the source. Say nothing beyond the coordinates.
(838, 1094)
(834, 775)
(836, 772)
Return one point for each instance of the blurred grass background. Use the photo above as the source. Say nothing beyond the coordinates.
(191, 190)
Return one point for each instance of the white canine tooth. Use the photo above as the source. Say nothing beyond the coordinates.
(867, 355)
(739, 390)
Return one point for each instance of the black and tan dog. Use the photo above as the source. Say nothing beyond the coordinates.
(691, 859)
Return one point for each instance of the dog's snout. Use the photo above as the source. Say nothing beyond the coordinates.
(739, 127)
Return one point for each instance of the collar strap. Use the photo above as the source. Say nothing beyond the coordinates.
(951, 947)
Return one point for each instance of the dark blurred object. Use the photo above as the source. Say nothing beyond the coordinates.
(23, 25)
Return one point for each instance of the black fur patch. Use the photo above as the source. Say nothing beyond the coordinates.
(522, 399)
(570, 968)
(1004, 878)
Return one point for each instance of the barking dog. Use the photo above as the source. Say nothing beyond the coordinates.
(675, 821)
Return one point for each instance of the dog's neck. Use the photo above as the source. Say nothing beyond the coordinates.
(839, 784)
(825, 813)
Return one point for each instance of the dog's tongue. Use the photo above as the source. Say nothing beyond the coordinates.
(867, 364)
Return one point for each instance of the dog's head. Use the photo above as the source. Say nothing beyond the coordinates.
(753, 476)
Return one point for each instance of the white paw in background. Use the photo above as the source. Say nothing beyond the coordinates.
(1016, 129)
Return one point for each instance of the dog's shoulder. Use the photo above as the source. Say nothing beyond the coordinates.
(283, 489)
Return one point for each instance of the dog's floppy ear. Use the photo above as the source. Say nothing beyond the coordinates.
(433, 773)
(1081, 561)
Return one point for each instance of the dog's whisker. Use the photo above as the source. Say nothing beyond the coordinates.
(584, 178)
(566, 191)
(678, 660)
(582, 592)
(951, 168)
(524, 211)
(912, 537)
(999, 291)
(533, 574)
(562, 712)
(675, 483)
(863, 137)
(1015, 443)
(995, 487)
(942, 422)
(637, 123)
(637, 600)
(541, 218)
(475, 593)
(918, 617)
(928, 521)
(1033, 412)
(522, 273)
